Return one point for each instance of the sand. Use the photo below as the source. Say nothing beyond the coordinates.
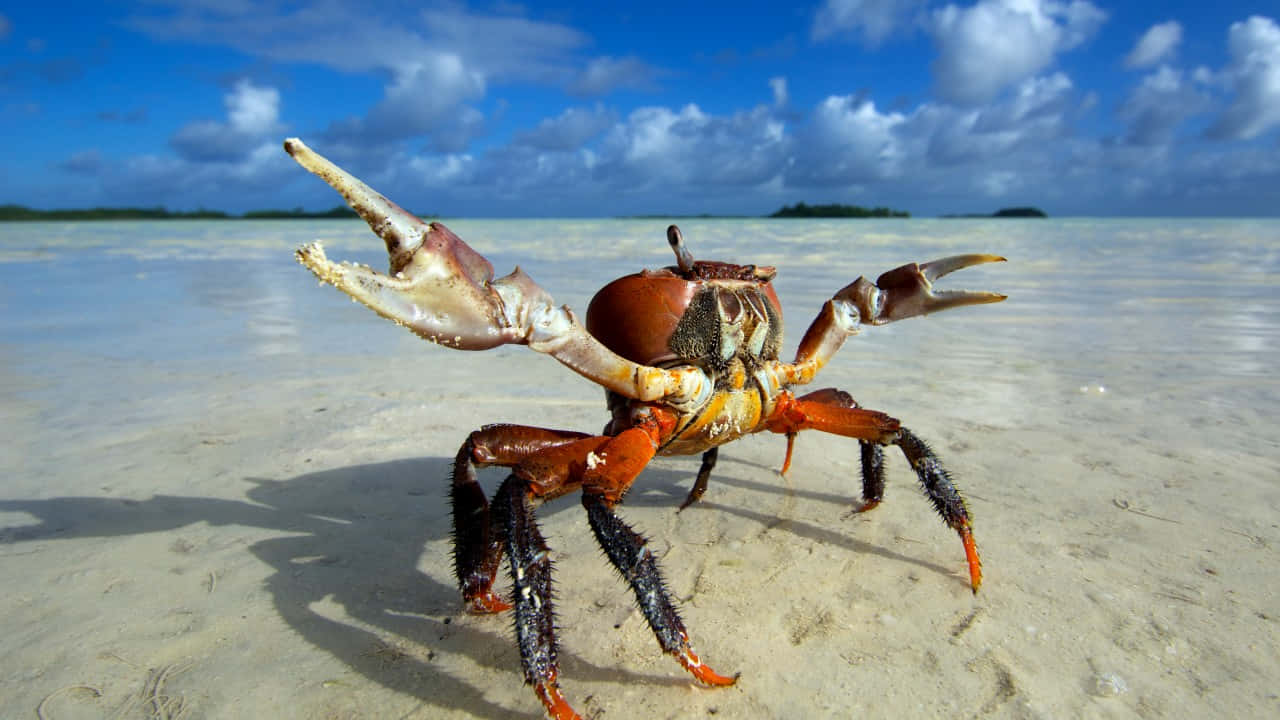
(223, 487)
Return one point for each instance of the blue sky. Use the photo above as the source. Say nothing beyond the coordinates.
(587, 109)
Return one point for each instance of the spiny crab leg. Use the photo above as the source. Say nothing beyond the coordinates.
(445, 292)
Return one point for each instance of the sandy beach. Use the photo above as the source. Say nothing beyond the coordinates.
(223, 487)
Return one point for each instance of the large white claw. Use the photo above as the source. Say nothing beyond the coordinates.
(436, 286)
(441, 289)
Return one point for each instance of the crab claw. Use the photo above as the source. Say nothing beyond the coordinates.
(437, 286)
(907, 291)
(445, 292)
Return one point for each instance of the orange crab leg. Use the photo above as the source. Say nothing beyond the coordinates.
(791, 415)
(557, 707)
(607, 479)
(477, 549)
(547, 464)
(835, 412)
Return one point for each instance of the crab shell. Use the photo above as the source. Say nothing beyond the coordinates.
(704, 316)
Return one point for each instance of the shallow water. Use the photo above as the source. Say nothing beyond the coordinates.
(185, 391)
(1178, 320)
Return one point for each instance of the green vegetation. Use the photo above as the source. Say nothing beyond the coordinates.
(1014, 212)
(339, 212)
(1020, 212)
(800, 210)
(20, 212)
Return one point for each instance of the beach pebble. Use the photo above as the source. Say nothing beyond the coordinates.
(1109, 684)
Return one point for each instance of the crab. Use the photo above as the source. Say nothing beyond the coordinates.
(688, 356)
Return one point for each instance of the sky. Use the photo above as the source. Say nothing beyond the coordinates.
(588, 109)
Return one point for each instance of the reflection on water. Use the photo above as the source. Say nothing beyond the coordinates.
(1177, 315)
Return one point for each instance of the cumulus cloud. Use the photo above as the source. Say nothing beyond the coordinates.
(439, 61)
(874, 20)
(779, 87)
(571, 129)
(426, 95)
(253, 114)
(986, 48)
(1036, 113)
(1254, 76)
(1157, 44)
(605, 74)
(1162, 102)
(658, 145)
(847, 141)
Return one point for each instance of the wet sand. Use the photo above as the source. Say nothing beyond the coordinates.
(223, 487)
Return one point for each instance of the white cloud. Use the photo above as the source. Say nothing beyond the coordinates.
(1156, 108)
(604, 74)
(571, 129)
(1156, 44)
(875, 20)
(439, 60)
(847, 141)
(996, 43)
(253, 110)
(1037, 113)
(253, 114)
(779, 87)
(1254, 75)
(426, 95)
(656, 145)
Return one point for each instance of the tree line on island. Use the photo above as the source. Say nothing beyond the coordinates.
(801, 210)
(342, 212)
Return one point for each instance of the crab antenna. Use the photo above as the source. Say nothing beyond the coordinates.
(683, 258)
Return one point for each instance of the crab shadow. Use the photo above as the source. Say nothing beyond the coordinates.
(672, 487)
(352, 537)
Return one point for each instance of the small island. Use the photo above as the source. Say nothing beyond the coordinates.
(801, 210)
(1013, 212)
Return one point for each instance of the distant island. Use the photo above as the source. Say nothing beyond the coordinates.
(21, 212)
(800, 210)
(1013, 212)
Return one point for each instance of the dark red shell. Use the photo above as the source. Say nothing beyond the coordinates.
(636, 315)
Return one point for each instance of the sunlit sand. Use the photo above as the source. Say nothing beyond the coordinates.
(225, 486)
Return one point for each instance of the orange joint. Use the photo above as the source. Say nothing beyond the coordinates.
(705, 675)
(971, 554)
(557, 707)
(791, 445)
(487, 604)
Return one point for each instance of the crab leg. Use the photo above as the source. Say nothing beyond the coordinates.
(477, 542)
(445, 292)
(547, 464)
(872, 455)
(833, 411)
(898, 294)
(535, 622)
(700, 482)
(630, 554)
